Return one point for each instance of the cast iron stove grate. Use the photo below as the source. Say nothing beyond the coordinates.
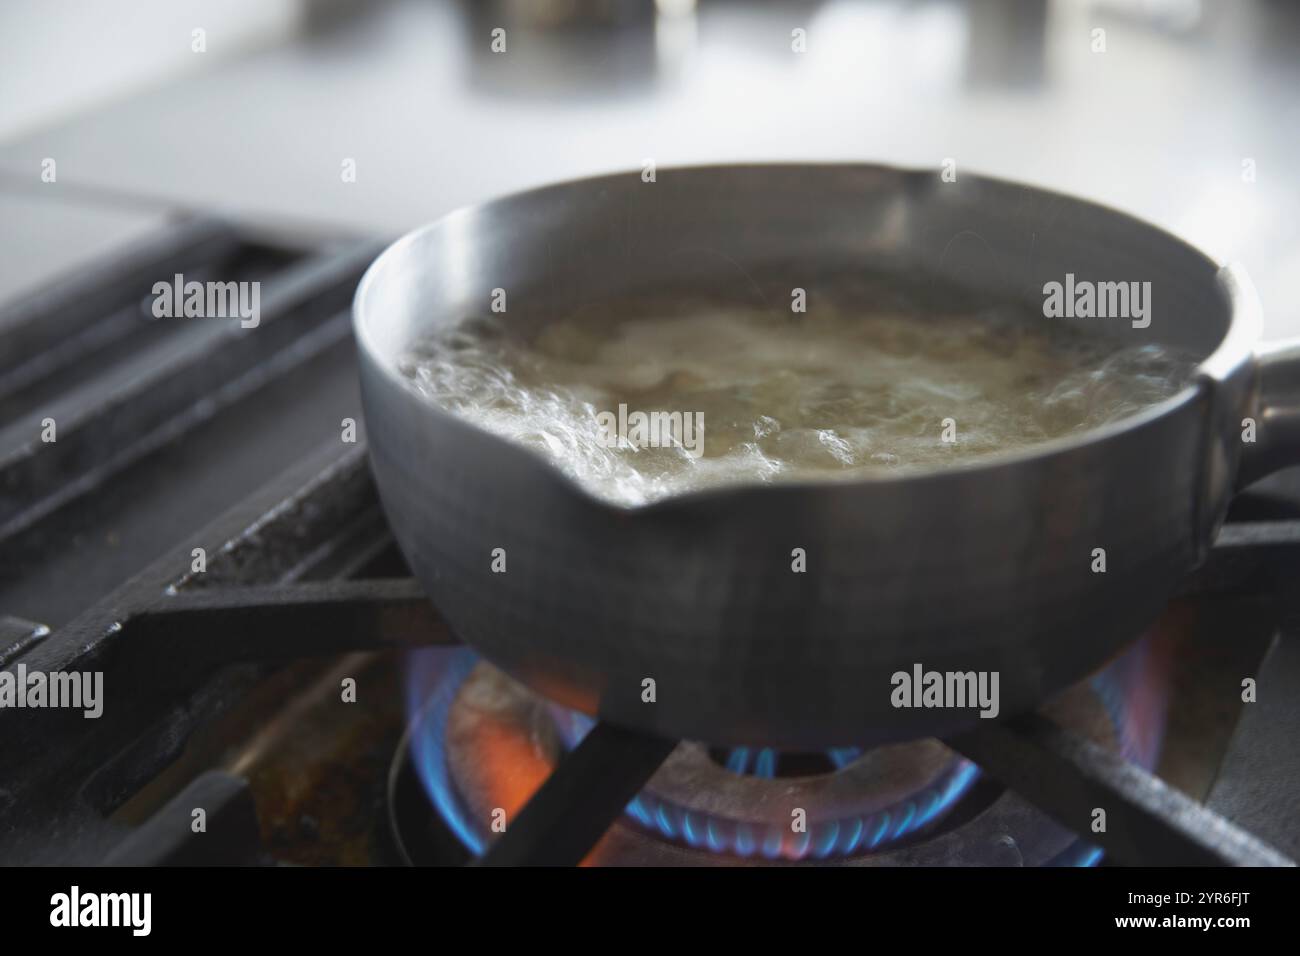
(155, 426)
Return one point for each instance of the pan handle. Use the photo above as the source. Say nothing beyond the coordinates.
(1277, 413)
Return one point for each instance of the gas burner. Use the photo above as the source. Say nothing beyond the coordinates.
(480, 744)
(743, 801)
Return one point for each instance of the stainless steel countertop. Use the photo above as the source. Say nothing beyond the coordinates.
(1158, 124)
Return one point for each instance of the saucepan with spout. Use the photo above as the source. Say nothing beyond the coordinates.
(684, 616)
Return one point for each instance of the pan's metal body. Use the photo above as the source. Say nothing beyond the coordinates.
(986, 567)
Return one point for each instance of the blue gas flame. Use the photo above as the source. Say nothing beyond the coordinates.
(1133, 690)
(435, 676)
(823, 839)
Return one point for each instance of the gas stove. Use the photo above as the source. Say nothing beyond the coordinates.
(209, 632)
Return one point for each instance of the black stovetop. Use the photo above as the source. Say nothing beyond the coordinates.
(222, 686)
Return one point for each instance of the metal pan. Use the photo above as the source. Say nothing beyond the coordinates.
(986, 567)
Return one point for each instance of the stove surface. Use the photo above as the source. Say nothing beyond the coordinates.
(206, 536)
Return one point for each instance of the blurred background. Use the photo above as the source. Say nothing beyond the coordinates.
(348, 117)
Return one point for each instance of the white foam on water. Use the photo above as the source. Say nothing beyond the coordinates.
(837, 393)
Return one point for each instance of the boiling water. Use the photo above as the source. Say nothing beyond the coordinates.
(839, 392)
